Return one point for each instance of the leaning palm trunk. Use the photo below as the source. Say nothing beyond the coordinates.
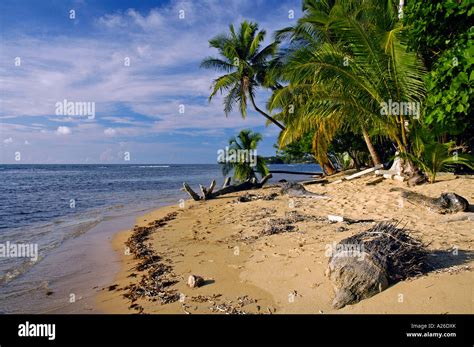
(370, 147)
(271, 119)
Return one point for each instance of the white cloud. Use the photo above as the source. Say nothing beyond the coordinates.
(132, 102)
(148, 22)
(112, 21)
(110, 132)
(62, 130)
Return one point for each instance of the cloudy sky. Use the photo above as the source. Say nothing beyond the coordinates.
(138, 61)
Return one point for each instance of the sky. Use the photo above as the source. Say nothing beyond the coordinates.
(137, 62)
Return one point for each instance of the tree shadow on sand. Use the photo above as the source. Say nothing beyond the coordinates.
(441, 259)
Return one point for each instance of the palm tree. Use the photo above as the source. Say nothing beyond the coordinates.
(246, 67)
(433, 157)
(437, 157)
(346, 59)
(242, 158)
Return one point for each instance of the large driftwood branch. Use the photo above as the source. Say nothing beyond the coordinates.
(359, 174)
(208, 194)
(226, 182)
(191, 192)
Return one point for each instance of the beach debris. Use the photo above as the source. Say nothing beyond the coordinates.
(252, 197)
(359, 174)
(339, 219)
(226, 182)
(185, 308)
(468, 216)
(363, 172)
(246, 198)
(156, 282)
(293, 189)
(204, 298)
(285, 224)
(245, 300)
(112, 287)
(137, 307)
(455, 269)
(271, 310)
(195, 281)
(208, 193)
(271, 196)
(375, 181)
(295, 217)
(401, 170)
(341, 229)
(318, 181)
(335, 219)
(277, 226)
(389, 174)
(365, 264)
(227, 308)
(416, 178)
(446, 203)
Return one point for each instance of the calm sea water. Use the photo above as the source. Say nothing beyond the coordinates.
(55, 206)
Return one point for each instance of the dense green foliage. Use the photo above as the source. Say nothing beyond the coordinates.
(434, 25)
(441, 31)
(349, 150)
(345, 59)
(450, 88)
(333, 73)
(297, 151)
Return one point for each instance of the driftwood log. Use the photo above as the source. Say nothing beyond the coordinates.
(293, 189)
(367, 263)
(446, 203)
(358, 174)
(208, 193)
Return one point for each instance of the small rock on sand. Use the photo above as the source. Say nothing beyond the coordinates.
(195, 281)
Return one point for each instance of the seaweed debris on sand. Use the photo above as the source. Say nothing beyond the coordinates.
(154, 284)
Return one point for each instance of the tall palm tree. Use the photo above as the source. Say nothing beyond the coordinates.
(244, 169)
(346, 59)
(245, 65)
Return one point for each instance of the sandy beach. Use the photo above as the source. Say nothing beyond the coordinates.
(246, 271)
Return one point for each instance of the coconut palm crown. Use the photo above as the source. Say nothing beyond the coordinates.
(246, 65)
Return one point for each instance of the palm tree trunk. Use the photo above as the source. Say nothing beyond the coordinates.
(400, 8)
(274, 121)
(370, 147)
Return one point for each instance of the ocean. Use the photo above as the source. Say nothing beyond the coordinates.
(70, 213)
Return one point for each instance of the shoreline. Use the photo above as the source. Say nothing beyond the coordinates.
(112, 301)
(83, 261)
(247, 272)
(62, 281)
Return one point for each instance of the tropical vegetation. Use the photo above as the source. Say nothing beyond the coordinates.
(333, 73)
(242, 158)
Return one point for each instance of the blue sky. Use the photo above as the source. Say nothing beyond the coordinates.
(137, 106)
